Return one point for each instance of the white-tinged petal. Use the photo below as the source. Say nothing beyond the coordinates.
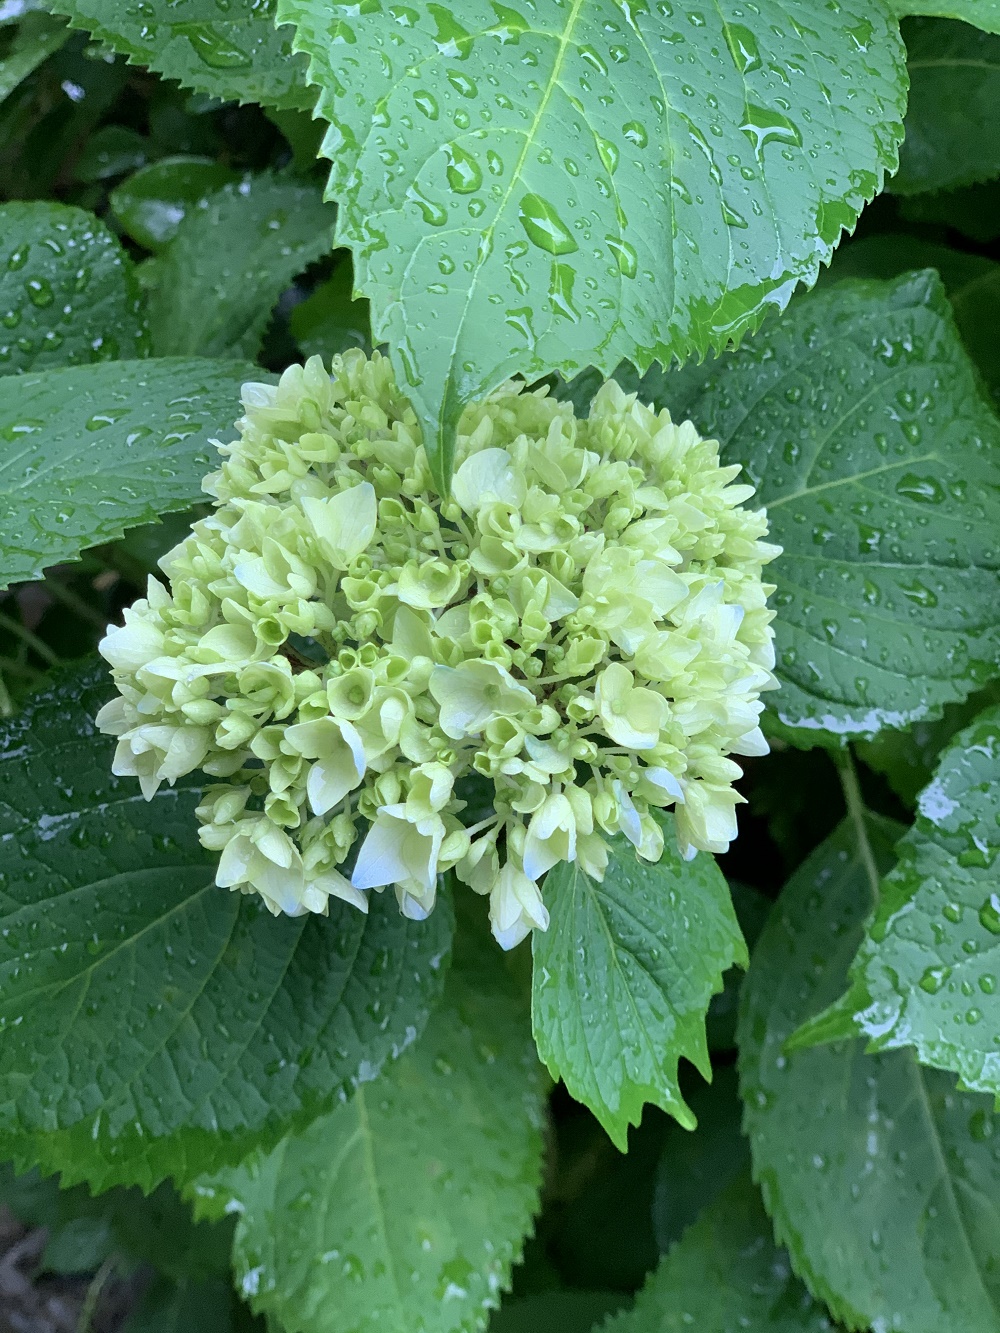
(751, 743)
(344, 524)
(486, 477)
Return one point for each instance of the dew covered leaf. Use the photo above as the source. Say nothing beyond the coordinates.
(154, 1024)
(151, 204)
(231, 51)
(214, 294)
(727, 1275)
(983, 14)
(23, 48)
(623, 977)
(330, 320)
(68, 291)
(879, 1176)
(859, 419)
(561, 183)
(405, 1207)
(952, 127)
(88, 451)
(971, 281)
(927, 975)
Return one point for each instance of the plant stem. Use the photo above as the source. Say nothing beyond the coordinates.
(76, 604)
(89, 1307)
(856, 813)
(30, 640)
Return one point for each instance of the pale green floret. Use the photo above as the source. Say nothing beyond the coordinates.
(582, 625)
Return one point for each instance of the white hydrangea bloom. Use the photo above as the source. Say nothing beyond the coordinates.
(582, 626)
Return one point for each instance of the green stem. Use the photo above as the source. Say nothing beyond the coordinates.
(6, 704)
(76, 604)
(856, 812)
(30, 640)
(89, 1307)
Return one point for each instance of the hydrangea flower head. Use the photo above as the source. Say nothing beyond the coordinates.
(580, 631)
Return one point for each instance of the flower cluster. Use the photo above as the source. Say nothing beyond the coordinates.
(581, 629)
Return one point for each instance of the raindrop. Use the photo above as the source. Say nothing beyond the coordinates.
(624, 255)
(212, 48)
(763, 126)
(544, 227)
(989, 914)
(40, 292)
(743, 47)
(933, 979)
(561, 292)
(636, 133)
(463, 171)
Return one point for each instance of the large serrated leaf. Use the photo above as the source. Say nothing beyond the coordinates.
(952, 128)
(89, 451)
(881, 1179)
(561, 183)
(229, 50)
(33, 40)
(152, 1023)
(724, 1276)
(984, 14)
(213, 297)
(406, 1207)
(859, 419)
(624, 975)
(68, 292)
(927, 975)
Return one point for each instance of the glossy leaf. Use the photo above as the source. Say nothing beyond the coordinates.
(151, 204)
(89, 451)
(36, 37)
(725, 1275)
(331, 320)
(952, 129)
(927, 974)
(974, 211)
(232, 52)
(623, 977)
(907, 758)
(880, 1178)
(971, 281)
(185, 1307)
(214, 297)
(983, 14)
(694, 1169)
(152, 1023)
(567, 183)
(406, 1207)
(68, 292)
(567, 1311)
(859, 420)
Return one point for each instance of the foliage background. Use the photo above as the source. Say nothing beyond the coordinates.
(163, 237)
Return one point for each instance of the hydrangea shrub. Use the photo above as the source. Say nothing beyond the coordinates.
(395, 790)
(582, 624)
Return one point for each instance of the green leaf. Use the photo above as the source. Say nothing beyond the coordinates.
(152, 204)
(34, 39)
(550, 186)
(231, 52)
(859, 420)
(89, 451)
(973, 211)
(556, 1312)
(407, 1206)
(880, 1178)
(214, 297)
(907, 758)
(751, 912)
(972, 283)
(152, 1023)
(952, 129)
(624, 975)
(68, 292)
(725, 1276)
(185, 1307)
(331, 320)
(983, 14)
(928, 971)
(694, 1169)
